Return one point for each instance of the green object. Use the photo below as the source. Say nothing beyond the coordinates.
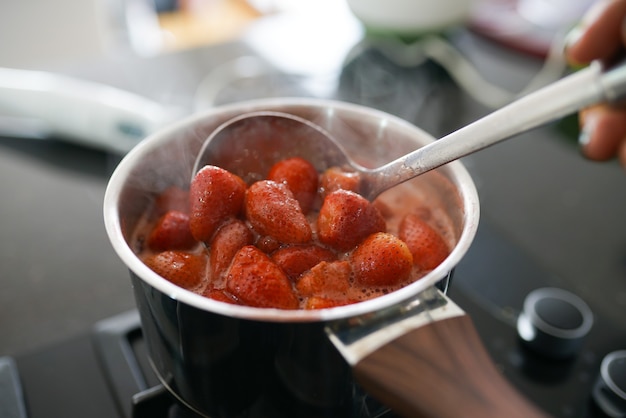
(569, 127)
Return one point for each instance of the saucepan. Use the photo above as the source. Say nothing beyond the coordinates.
(410, 352)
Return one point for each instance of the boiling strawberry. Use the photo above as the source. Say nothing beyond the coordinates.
(219, 295)
(426, 245)
(337, 179)
(255, 280)
(227, 241)
(316, 302)
(215, 196)
(326, 279)
(186, 270)
(300, 176)
(346, 219)
(296, 259)
(171, 232)
(267, 244)
(381, 260)
(272, 210)
(172, 198)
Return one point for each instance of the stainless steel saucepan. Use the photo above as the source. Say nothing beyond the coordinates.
(412, 350)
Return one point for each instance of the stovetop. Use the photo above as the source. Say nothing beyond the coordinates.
(549, 219)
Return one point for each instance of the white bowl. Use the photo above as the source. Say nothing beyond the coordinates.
(410, 17)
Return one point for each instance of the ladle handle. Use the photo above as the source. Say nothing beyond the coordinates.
(564, 97)
(441, 370)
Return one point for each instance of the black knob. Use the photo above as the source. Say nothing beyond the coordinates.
(554, 322)
(609, 391)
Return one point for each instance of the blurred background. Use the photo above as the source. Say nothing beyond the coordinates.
(187, 55)
(62, 31)
(40, 33)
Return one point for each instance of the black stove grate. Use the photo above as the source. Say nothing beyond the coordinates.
(123, 358)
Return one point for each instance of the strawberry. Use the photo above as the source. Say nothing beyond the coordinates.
(171, 232)
(272, 210)
(381, 259)
(426, 245)
(326, 279)
(184, 269)
(337, 179)
(300, 177)
(267, 244)
(346, 218)
(384, 209)
(316, 302)
(296, 259)
(215, 195)
(219, 295)
(226, 242)
(172, 198)
(255, 280)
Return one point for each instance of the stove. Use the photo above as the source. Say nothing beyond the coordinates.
(537, 231)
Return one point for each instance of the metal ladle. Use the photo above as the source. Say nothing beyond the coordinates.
(250, 143)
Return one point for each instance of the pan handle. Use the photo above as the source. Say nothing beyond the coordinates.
(441, 370)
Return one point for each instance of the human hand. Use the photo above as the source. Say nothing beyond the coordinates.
(601, 35)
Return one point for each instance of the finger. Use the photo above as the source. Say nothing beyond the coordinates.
(599, 35)
(603, 132)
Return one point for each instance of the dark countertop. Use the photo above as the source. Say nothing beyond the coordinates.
(59, 275)
(58, 272)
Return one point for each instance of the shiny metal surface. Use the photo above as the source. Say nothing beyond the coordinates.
(218, 358)
(356, 338)
(548, 104)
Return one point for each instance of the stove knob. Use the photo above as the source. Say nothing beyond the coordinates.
(609, 391)
(554, 322)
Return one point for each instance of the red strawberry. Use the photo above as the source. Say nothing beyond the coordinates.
(172, 198)
(171, 232)
(346, 219)
(381, 260)
(267, 244)
(326, 279)
(316, 302)
(272, 210)
(426, 245)
(337, 179)
(226, 242)
(296, 259)
(215, 195)
(383, 208)
(300, 176)
(220, 295)
(186, 270)
(255, 280)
